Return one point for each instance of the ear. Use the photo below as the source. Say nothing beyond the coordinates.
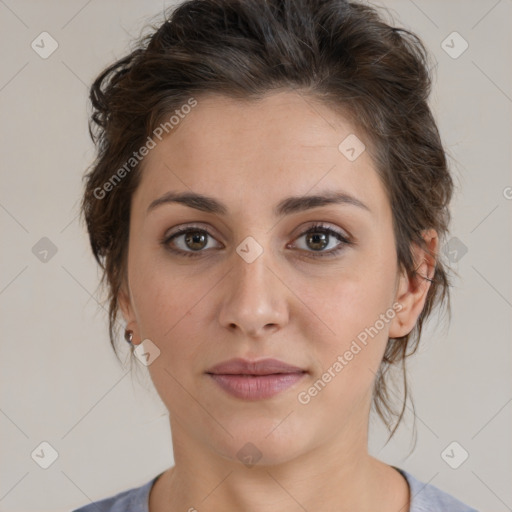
(412, 291)
(127, 310)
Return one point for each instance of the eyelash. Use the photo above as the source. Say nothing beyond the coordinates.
(316, 228)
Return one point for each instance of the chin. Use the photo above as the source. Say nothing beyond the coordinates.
(262, 443)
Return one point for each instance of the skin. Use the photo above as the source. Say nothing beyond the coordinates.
(287, 304)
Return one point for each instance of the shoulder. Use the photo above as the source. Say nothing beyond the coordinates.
(131, 500)
(428, 498)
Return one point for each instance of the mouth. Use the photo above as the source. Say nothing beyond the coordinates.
(255, 380)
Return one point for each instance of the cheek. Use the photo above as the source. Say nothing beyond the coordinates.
(352, 297)
(161, 290)
(353, 316)
(347, 361)
(168, 310)
(171, 306)
(166, 307)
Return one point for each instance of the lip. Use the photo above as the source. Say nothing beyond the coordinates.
(255, 380)
(240, 366)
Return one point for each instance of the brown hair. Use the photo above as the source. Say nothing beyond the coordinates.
(339, 52)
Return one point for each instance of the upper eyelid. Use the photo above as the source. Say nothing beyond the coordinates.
(207, 228)
(180, 230)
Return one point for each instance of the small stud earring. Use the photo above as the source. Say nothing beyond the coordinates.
(128, 336)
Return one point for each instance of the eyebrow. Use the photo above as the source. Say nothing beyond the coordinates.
(288, 206)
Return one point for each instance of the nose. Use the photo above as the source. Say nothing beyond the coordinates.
(254, 298)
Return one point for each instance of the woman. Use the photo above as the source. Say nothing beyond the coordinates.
(267, 205)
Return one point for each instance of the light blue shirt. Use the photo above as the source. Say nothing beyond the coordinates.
(424, 498)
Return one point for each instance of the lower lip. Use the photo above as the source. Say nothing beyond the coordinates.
(256, 387)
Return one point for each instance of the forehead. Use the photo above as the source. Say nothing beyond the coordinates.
(252, 152)
(277, 123)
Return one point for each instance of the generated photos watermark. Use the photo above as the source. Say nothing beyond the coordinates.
(304, 397)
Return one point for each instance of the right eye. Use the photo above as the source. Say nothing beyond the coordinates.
(190, 241)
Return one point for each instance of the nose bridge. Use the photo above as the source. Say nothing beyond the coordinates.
(253, 301)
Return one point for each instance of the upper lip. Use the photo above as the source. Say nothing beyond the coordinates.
(239, 366)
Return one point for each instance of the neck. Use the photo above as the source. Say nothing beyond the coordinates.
(337, 476)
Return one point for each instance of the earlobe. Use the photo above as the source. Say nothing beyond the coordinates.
(412, 290)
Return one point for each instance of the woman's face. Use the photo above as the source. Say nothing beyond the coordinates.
(248, 281)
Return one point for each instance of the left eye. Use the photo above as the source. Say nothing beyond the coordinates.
(320, 237)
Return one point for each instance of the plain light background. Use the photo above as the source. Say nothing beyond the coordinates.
(60, 381)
